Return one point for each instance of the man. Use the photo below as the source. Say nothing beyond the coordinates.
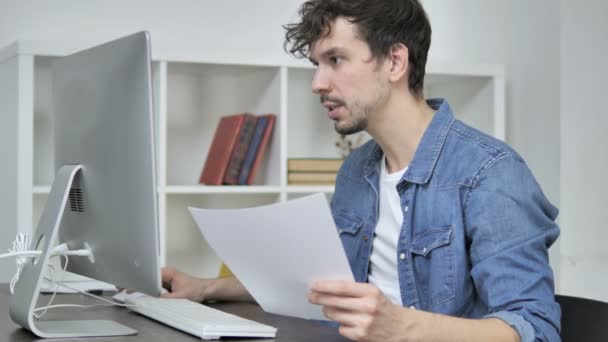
(445, 228)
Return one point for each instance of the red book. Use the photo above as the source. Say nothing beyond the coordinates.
(220, 150)
(271, 118)
(239, 151)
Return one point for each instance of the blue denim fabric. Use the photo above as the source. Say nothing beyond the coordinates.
(475, 232)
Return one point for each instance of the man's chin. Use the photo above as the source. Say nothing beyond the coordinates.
(345, 129)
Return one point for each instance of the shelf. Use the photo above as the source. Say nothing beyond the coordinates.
(303, 189)
(220, 189)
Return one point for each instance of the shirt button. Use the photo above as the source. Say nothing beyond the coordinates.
(406, 208)
(412, 307)
(424, 250)
(402, 256)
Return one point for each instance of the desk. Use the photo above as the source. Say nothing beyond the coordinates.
(289, 329)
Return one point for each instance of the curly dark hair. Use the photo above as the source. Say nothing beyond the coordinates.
(381, 23)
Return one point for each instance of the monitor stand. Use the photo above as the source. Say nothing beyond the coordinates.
(27, 289)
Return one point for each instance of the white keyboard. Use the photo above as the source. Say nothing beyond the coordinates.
(194, 318)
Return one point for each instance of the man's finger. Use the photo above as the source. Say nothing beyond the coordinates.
(167, 273)
(343, 317)
(350, 332)
(342, 288)
(172, 295)
(338, 302)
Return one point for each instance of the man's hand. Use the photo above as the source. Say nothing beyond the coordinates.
(365, 314)
(182, 285)
(362, 310)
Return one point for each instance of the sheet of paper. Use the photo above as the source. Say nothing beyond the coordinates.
(277, 251)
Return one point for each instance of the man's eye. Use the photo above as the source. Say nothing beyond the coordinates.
(335, 59)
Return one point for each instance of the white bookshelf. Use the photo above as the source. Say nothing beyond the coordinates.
(191, 94)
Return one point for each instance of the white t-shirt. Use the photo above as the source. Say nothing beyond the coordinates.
(383, 261)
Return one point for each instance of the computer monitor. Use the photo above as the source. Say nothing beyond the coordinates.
(103, 197)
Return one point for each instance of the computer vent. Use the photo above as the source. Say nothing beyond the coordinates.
(76, 202)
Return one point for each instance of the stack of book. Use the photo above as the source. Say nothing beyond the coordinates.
(237, 149)
(312, 171)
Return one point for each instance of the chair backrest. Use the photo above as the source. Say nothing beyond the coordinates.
(583, 319)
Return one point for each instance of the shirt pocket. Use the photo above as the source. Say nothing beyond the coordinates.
(349, 227)
(433, 259)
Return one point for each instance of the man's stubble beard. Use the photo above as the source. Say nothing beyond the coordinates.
(358, 124)
(360, 113)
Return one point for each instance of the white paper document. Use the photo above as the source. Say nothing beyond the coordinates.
(277, 251)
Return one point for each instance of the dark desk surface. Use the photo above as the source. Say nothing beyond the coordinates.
(289, 329)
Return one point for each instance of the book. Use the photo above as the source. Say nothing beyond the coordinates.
(252, 150)
(310, 178)
(314, 164)
(220, 150)
(237, 158)
(257, 148)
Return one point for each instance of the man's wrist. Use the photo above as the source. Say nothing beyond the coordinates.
(209, 289)
(418, 324)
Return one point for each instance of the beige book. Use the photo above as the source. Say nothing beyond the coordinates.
(314, 164)
(311, 177)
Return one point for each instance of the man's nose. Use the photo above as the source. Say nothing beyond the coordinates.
(320, 83)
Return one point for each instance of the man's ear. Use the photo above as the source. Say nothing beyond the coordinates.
(399, 62)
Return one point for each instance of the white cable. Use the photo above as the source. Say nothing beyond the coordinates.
(20, 254)
(52, 269)
(55, 282)
(110, 302)
(19, 249)
(63, 249)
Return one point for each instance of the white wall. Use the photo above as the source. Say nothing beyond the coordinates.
(523, 35)
(584, 153)
(221, 28)
(467, 31)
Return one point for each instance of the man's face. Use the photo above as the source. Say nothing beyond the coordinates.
(351, 83)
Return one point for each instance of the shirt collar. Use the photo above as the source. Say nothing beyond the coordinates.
(421, 168)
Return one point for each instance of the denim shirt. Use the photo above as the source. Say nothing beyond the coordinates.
(476, 227)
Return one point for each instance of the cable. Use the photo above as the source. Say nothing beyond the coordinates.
(52, 269)
(110, 302)
(20, 254)
(55, 282)
(19, 250)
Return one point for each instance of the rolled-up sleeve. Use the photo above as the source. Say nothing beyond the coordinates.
(510, 226)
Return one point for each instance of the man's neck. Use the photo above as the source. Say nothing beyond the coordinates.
(399, 127)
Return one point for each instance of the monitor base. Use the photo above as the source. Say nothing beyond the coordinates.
(81, 328)
(27, 289)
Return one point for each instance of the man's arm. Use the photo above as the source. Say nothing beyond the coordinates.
(182, 285)
(510, 225)
(365, 314)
